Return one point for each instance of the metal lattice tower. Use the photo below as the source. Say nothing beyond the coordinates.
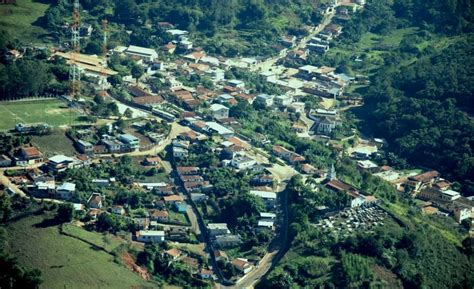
(74, 70)
(104, 37)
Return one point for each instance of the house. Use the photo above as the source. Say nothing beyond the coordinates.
(84, 147)
(158, 215)
(188, 170)
(308, 169)
(461, 213)
(191, 178)
(170, 48)
(213, 127)
(112, 145)
(172, 253)
(357, 199)
(264, 99)
(147, 54)
(269, 198)
(95, 201)
(216, 229)
(242, 265)
(118, 210)
(60, 163)
(179, 152)
(198, 197)
(282, 100)
(131, 141)
(31, 155)
(267, 216)
(173, 199)
(142, 223)
(221, 255)
(236, 83)
(219, 111)
(177, 234)
(243, 162)
(281, 152)
(266, 224)
(152, 161)
(45, 188)
(66, 191)
(263, 180)
(205, 274)
(422, 181)
(5, 161)
(367, 166)
(227, 241)
(146, 236)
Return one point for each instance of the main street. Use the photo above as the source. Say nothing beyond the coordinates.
(282, 173)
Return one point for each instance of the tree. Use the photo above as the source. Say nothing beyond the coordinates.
(93, 47)
(137, 71)
(65, 213)
(128, 113)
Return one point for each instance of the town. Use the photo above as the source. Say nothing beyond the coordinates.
(182, 149)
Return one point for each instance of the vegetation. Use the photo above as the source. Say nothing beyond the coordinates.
(69, 264)
(21, 19)
(53, 112)
(230, 28)
(413, 254)
(419, 58)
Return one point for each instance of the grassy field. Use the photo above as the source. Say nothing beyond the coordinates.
(18, 19)
(61, 144)
(66, 262)
(51, 111)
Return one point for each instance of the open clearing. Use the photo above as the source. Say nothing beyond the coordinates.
(51, 111)
(66, 262)
(18, 19)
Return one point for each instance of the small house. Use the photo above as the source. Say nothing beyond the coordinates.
(146, 236)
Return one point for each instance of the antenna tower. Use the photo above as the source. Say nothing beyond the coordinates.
(74, 71)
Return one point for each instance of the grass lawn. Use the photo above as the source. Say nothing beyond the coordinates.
(51, 111)
(18, 19)
(177, 217)
(64, 261)
(61, 144)
(107, 241)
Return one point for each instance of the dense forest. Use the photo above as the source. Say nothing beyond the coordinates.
(420, 99)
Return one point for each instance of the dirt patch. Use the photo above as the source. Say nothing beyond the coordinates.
(130, 263)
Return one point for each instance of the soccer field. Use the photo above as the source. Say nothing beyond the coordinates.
(51, 111)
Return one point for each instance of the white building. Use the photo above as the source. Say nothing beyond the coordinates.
(216, 229)
(146, 236)
(283, 100)
(66, 190)
(265, 99)
(132, 141)
(219, 111)
(269, 198)
(214, 127)
(242, 162)
(142, 52)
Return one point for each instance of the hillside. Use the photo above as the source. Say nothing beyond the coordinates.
(223, 27)
(66, 262)
(421, 71)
